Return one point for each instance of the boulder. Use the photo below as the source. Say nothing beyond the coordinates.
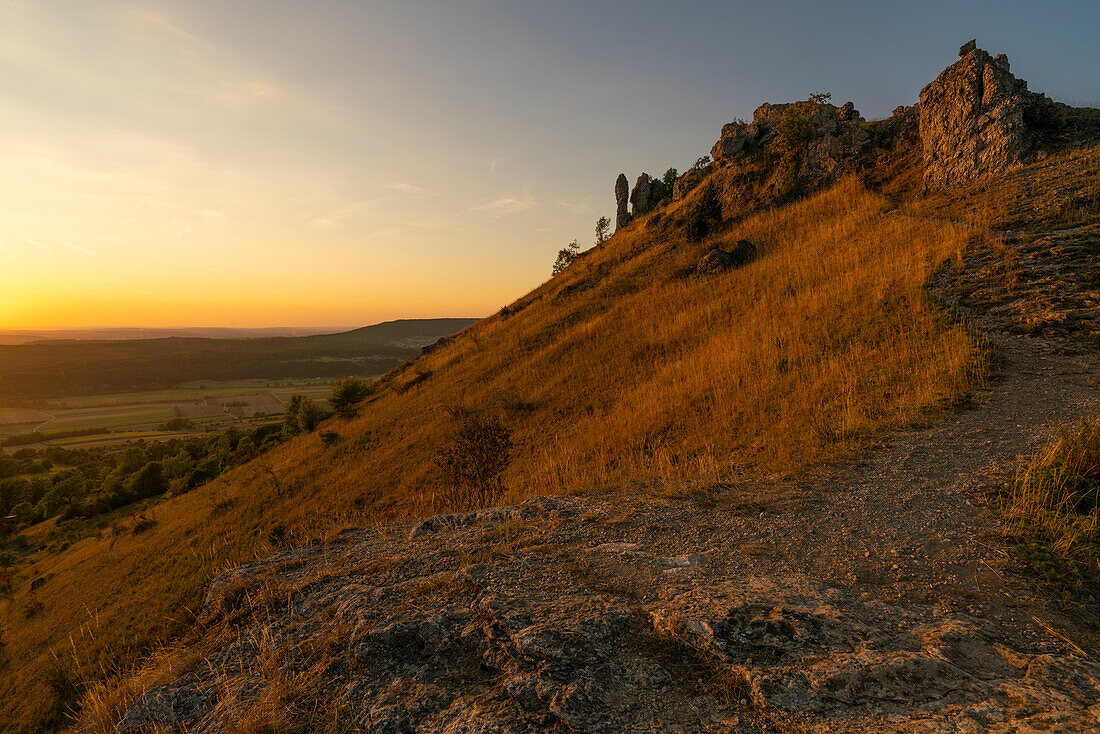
(640, 198)
(718, 260)
(622, 191)
(686, 183)
(977, 119)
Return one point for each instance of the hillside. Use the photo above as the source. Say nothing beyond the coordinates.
(70, 368)
(710, 400)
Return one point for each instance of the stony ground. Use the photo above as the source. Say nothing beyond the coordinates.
(866, 597)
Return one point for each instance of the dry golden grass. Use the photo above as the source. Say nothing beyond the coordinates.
(616, 375)
(1055, 502)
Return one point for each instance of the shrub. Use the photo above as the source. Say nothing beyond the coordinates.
(566, 256)
(603, 226)
(149, 481)
(670, 177)
(290, 415)
(309, 415)
(792, 135)
(704, 216)
(658, 191)
(1055, 503)
(347, 393)
(474, 460)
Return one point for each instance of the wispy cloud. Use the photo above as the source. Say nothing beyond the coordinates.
(408, 188)
(578, 207)
(78, 249)
(508, 204)
(340, 214)
(44, 248)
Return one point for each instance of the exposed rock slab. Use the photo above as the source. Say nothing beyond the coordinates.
(977, 119)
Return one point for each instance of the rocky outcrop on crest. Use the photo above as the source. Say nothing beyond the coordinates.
(640, 198)
(977, 119)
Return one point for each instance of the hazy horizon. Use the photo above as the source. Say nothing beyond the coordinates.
(203, 164)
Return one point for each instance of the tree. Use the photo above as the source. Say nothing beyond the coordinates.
(670, 177)
(290, 415)
(701, 162)
(705, 216)
(149, 481)
(309, 415)
(603, 226)
(792, 136)
(474, 460)
(347, 393)
(566, 256)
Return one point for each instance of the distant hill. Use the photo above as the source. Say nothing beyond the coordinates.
(28, 336)
(68, 368)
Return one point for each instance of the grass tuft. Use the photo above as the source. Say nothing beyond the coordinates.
(1054, 503)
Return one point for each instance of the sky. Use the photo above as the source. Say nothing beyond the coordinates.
(256, 163)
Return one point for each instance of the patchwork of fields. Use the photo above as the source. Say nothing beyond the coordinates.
(116, 418)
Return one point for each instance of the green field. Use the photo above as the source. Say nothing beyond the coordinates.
(120, 417)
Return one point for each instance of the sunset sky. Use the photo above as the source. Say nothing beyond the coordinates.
(261, 163)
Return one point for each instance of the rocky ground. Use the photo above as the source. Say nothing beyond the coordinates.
(865, 597)
(1044, 283)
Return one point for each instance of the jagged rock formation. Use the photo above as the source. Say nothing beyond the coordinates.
(834, 136)
(685, 183)
(976, 119)
(622, 193)
(640, 196)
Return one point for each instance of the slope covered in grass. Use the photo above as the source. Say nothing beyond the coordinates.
(620, 375)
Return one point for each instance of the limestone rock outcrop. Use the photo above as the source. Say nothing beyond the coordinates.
(640, 198)
(622, 194)
(831, 140)
(977, 119)
(685, 183)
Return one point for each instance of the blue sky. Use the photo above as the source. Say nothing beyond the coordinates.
(337, 163)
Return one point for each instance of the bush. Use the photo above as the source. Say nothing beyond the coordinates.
(347, 393)
(309, 415)
(290, 415)
(705, 216)
(792, 135)
(149, 481)
(566, 256)
(603, 227)
(1055, 504)
(474, 460)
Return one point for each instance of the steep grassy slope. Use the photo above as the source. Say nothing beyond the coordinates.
(618, 375)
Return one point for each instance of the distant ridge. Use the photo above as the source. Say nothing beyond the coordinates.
(71, 367)
(27, 336)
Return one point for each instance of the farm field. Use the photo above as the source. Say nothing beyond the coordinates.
(117, 418)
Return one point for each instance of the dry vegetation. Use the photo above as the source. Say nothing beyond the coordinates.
(1055, 503)
(618, 375)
